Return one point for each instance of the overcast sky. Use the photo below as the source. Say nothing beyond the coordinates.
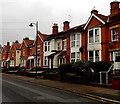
(16, 15)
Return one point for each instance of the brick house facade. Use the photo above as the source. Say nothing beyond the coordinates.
(14, 54)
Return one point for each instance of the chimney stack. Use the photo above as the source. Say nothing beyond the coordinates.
(55, 28)
(26, 38)
(94, 11)
(66, 26)
(16, 41)
(114, 7)
(8, 43)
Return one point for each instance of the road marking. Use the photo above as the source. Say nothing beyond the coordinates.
(102, 98)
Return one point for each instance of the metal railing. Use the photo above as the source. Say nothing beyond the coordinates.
(106, 73)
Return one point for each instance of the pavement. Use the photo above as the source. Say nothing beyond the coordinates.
(92, 92)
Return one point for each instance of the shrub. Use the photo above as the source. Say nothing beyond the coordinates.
(65, 68)
(101, 66)
(80, 67)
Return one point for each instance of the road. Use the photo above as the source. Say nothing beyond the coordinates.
(21, 92)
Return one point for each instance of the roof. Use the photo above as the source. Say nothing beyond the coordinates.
(28, 42)
(43, 36)
(63, 53)
(6, 48)
(102, 18)
(63, 33)
(114, 18)
(53, 54)
(17, 45)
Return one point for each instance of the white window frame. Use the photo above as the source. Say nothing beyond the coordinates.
(65, 44)
(47, 46)
(38, 48)
(38, 61)
(112, 34)
(76, 58)
(94, 36)
(75, 42)
(58, 46)
(45, 61)
(94, 55)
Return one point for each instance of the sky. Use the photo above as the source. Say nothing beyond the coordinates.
(16, 15)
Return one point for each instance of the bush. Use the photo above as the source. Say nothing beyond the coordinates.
(80, 67)
(65, 68)
(101, 66)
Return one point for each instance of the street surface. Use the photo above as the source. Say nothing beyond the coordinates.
(21, 92)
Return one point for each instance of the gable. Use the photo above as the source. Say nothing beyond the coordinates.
(23, 45)
(94, 22)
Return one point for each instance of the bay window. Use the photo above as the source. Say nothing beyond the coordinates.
(94, 35)
(94, 55)
(59, 46)
(75, 56)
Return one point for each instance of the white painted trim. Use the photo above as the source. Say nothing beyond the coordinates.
(93, 15)
(39, 37)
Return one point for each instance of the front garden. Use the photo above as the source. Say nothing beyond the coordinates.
(78, 72)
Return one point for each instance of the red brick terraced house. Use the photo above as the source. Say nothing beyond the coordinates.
(40, 51)
(26, 50)
(62, 47)
(102, 34)
(5, 54)
(14, 54)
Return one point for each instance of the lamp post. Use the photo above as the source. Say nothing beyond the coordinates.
(31, 25)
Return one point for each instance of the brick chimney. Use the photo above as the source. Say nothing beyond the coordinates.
(8, 43)
(114, 7)
(26, 38)
(66, 25)
(55, 28)
(16, 41)
(94, 11)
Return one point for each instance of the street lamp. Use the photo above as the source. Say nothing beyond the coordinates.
(31, 25)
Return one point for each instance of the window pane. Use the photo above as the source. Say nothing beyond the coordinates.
(91, 56)
(96, 35)
(72, 55)
(114, 34)
(96, 55)
(78, 37)
(78, 55)
(73, 40)
(59, 46)
(91, 36)
(65, 44)
(78, 43)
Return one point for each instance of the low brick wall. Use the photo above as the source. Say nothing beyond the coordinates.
(116, 84)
